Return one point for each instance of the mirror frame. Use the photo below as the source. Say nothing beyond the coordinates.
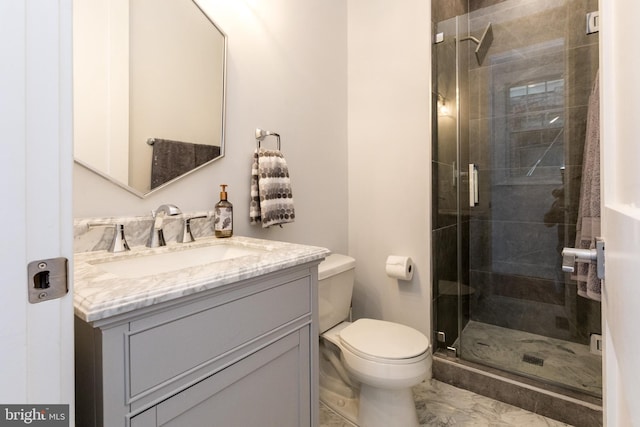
(222, 127)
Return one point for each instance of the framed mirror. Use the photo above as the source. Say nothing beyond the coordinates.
(149, 90)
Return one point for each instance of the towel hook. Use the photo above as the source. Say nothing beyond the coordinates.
(262, 134)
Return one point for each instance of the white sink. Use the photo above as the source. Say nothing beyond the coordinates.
(165, 262)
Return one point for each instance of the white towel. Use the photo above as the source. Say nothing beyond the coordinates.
(588, 226)
(271, 195)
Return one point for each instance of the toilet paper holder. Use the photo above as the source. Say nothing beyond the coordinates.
(399, 267)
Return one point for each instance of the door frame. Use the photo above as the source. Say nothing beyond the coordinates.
(36, 168)
(620, 101)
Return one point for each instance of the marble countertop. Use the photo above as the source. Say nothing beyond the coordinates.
(99, 294)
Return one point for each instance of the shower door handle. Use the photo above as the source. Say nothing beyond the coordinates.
(571, 255)
(473, 185)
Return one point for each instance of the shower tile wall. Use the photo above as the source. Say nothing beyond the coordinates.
(531, 90)
(442, 10)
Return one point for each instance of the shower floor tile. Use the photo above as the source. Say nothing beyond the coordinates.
(557, 361)
(442, 405)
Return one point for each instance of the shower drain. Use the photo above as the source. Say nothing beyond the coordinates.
(534, 360)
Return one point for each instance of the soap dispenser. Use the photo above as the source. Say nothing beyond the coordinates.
(223, 215)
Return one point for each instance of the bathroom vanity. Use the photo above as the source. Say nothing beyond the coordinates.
(231, 341)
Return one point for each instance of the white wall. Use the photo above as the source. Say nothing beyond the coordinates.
(287, 66)
(389, 156)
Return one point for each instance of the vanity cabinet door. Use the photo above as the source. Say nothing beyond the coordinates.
(268, 388)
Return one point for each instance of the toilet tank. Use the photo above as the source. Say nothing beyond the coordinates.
(336, 276)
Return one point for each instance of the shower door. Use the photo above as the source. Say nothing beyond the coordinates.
(517, 115)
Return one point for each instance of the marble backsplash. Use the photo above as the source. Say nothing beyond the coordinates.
(95, 234)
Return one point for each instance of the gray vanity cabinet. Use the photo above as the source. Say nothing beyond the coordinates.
(237, 355)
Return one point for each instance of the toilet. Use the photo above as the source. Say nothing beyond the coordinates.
(367, 367)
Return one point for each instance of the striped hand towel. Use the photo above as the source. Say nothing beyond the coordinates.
(271, 196)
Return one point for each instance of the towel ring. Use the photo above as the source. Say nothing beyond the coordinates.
(262, 134)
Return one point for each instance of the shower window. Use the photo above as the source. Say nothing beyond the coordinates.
(535, 124)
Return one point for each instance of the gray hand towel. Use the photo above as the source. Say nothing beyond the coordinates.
(588, 226)
(174, 158)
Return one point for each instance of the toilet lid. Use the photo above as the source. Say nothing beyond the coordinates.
(384, 340)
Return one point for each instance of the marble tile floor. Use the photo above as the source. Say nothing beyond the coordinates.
(552, 360)
(441, 405)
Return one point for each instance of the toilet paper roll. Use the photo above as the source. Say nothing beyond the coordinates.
(399, 267)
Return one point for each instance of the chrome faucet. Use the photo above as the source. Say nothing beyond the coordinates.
(156, 235)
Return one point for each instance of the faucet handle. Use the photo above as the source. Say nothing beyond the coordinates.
(186, 236)
(119, 240)
(156, 234)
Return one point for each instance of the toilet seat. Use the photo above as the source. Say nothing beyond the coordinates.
(384, 342)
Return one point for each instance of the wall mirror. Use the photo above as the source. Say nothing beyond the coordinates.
(149, 90)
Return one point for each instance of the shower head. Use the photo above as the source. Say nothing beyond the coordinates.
(484, 43)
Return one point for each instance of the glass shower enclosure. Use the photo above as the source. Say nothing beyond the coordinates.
(512, 80)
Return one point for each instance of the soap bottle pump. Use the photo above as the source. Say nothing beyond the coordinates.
(223, 215)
